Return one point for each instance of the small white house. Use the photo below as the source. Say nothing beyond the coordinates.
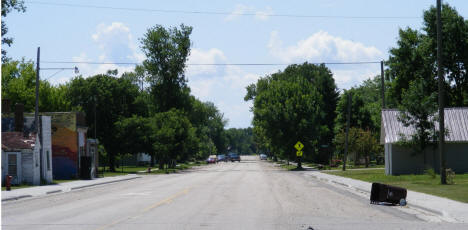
(21, 156)
(402, 160)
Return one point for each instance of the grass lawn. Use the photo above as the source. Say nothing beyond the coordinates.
(288, 167)
(420, 183)
(63, 181)
(135, 169)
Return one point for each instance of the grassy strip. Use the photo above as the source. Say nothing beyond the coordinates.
(63, 181)
(420, 183)
(288, 167)
(354, 167)
(139, 169)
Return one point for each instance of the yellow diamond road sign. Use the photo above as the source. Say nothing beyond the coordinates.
(298, 146)
(299, 153)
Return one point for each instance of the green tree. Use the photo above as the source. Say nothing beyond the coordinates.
(366, 108)
(368, 146)
(135, 135)
(418, 108)
(415, 57)
(288, 108)
(361, 144)
(323, 80)
(454, 51)
(18, 86)
(18, 83)
(241, 141)
(360, 114)
(111, 99)
(209, 123)
(174, 137)
(7, 7)
(166, 53)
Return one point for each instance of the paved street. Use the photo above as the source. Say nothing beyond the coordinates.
(251, 194)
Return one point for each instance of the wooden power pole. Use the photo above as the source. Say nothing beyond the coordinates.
(443, 176)
(348, 117)
(383, 83)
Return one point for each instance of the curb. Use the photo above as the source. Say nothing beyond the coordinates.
(409, 204)
(427, 209)
(105, 182)
(16, 197)
(73, 188)
(54, 191)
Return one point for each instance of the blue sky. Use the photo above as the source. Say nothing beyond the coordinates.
(106, 35)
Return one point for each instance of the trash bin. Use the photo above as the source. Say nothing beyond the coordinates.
(387, 193)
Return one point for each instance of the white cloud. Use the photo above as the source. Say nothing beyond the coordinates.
(222, 85)
(117, 43)
(241, 9)
(199, 56)
(321, 47)
(264, 14)
(238, 11)
(88, 70)
(353, 76)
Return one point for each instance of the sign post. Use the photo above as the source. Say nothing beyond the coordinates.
(299, 146)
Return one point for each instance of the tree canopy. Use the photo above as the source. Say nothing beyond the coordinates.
(289, 106)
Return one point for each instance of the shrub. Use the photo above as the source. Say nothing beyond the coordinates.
(430, 172)
(450, 176)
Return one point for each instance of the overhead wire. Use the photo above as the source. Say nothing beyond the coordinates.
(201, 12)
(214, 64)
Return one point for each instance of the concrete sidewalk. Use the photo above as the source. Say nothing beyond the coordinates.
(449, 210)
(62, 187)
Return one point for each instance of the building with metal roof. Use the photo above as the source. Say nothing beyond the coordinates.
(400, 159)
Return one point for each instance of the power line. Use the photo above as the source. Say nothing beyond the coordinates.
(216, 12)
(215, 64)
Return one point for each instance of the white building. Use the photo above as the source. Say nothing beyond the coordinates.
(21, 155)
(403, 160)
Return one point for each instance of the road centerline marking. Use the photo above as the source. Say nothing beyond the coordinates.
(153, 206)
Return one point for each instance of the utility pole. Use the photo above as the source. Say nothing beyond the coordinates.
(443, 176)
(348, 117)
(36, 111)
(37, 123)
(383, 83)
(95, 136)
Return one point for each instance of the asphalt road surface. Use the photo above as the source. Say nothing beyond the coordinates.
(251, 194)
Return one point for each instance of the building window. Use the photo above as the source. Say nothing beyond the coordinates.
(12, 165)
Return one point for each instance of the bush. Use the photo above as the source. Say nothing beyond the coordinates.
(450, 176)
(430, 172)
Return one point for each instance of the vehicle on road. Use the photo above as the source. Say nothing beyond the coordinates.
(212, 159)
(263, 156)
(234, 157)
(222, 157)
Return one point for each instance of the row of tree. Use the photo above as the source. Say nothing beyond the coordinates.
(302, 102)
(149, 110)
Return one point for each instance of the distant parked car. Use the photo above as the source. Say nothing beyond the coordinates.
(234, 157)
(222, 157)
(212, 159)
(263, 156)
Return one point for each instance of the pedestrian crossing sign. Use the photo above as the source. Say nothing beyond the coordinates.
(299, 146)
